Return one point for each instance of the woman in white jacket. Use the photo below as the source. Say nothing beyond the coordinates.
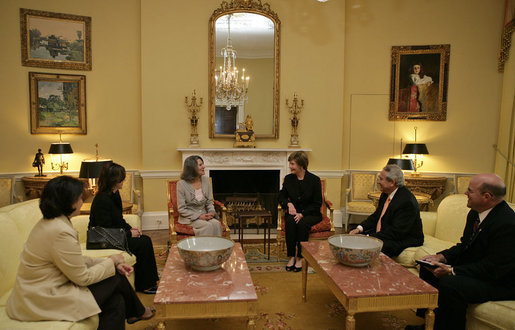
(56, 282)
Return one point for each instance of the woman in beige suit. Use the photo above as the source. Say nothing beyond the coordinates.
(195, 200)
(56, 282)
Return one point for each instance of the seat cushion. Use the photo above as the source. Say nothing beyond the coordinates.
(324, 225)
(87, 324)
(361, 207)
(491, 315)
(431, 245)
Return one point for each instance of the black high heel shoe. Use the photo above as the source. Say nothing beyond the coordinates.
(290, 268)
(297, 269)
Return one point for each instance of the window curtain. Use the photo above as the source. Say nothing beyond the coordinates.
(505, 147)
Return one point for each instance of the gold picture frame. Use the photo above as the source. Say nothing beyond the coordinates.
(55, 40)
(419, 82)
(57, 103)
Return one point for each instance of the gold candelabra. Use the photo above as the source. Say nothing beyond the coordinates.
(193, 110)
(294, 110)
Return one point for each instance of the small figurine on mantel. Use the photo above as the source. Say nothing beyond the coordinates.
(39, 161)
(244, 135)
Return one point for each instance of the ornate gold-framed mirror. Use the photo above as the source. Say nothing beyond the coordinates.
(252, 30)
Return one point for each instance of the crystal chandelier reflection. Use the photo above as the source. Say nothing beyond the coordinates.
(230, 91)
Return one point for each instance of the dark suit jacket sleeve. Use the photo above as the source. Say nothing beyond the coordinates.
(104, 213)
(491, 257)
(399, 217)
(313, 205)
(284, 197)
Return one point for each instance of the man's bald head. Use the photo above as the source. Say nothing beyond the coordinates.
(491, 183)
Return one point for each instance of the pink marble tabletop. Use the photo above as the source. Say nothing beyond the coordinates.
(182, 284)
(383, 277)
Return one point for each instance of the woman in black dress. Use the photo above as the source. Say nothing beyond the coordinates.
(301, 197)
(106, 211)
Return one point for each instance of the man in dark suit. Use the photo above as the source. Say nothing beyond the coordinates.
(396, 220)
(482, 266)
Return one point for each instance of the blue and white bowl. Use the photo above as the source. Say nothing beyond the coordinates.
(205, 253)
(355, 250)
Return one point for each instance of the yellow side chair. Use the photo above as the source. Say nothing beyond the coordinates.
(131, 195)
(357, 201)
(6, 191)
(461, 183)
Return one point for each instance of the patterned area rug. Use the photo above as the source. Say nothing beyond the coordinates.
(280, 306)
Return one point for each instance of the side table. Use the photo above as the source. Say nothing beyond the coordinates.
(34, 185)
(431, 185)
(423, 199)
(266, 216)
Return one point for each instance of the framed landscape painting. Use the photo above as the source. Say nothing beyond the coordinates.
(57, 103)
(418, 84)
(53, 40)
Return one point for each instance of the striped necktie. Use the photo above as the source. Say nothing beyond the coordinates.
(385, 206)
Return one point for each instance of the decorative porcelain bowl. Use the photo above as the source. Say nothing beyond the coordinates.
(205, 253)
(355, 250)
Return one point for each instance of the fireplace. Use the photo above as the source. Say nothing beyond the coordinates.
(247, 189)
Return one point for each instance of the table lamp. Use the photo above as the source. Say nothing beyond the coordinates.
(416, 150)
(61, 148)
(404, 163)
(90, 169)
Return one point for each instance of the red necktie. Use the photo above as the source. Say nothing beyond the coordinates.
(385, 206)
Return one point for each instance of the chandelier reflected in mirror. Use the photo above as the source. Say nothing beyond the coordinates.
(231, 90)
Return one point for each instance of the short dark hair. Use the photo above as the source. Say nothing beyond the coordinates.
(59, 195)
(300, 157)
(110, 176)
(190, 169)
(498, 191)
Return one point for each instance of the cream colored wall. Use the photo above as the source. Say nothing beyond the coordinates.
(175, 61)
(139, 117)
(112, 87)
(464, 142)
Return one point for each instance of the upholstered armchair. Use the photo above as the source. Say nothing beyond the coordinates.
(461, 183)
(6, 191)
(356, 196)
(180, 231)
(131, 195)
(322, 230)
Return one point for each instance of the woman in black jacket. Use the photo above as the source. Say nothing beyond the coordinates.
(301, 197)
(106, 211)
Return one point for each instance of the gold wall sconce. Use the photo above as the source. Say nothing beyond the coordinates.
(193, 110)
(294, 110)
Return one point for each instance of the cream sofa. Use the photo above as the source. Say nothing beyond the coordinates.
(443, 229)
(16, 222)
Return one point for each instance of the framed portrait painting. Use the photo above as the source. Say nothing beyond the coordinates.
(57, 103)
(418, 84)
(54, 40)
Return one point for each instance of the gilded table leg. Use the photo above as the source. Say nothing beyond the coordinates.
(304, 278)
(161, 326)
(251, 324)
(350, 322)
(430, 319)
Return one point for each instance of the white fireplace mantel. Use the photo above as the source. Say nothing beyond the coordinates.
(242, 159)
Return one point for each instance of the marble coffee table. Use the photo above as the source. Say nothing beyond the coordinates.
(184, 293)
(383, 285)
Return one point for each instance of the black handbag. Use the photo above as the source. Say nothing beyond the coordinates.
(107, 238)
